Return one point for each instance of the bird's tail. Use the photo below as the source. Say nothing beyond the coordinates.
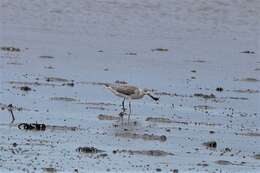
(106, 85)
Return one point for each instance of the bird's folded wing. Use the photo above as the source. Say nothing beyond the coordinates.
(127, 90)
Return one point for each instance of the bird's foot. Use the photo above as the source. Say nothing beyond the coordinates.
(124, 109)
(121, 114)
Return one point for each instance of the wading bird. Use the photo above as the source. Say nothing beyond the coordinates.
(128, 92)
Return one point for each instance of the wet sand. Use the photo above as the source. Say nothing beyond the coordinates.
(201, 59)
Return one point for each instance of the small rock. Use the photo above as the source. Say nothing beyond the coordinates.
(210, 144)
(25, 88)
(160, 49)
(211, 131)
(88, 150)
(158, 169)
(248, 51)
(227, 149)
(163, 138)
(131, 53)
(175, 171)
(205, 96)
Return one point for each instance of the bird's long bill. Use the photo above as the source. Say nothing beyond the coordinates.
(154, 98)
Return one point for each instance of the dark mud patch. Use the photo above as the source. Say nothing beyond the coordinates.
(171, 94)
(251, 134)
(225, 162)
(203, 164)
(46, 57)
(236, 98)
(66, 99)
(167, 120)
(165, 94)
(57, 79)
(11, 49)
(49, 67)
(97, 104)
(108, 117)
(88, 150)
(248, 52)
(161, 138)
(249, 91)
(199, 61)
(93, 83)
(210, 144)
(131, 53)
(49, 170)
(43, 127)
(203, 107)
(96, 108)
(102, 83)
(159, 120)
(249, 79)
(32, 83)
(257, 156)
(145, 152)
(62, 128)
(14, 63)
(205, 96)
(160, 50)
(25, 88)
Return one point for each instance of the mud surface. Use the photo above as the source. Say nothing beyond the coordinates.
(201, 58)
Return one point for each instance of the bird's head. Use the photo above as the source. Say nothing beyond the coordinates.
(147, 92)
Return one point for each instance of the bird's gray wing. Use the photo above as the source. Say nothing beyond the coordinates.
(127, 90)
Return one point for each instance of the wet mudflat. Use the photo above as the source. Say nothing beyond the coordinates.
(53, 71)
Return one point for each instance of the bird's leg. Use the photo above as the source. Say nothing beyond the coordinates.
(12, 116)
(129, 111)
(10, 109)
(123, 105)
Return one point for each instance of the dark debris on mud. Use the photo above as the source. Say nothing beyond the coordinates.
(42, 127)
(210, 144)
(107, 117)
(257, 156)
(10, 49)
(25, 88)
(167, 120)
(205, 96)
(248, 79)
(32, 126)
(145, 152)
(160, 50)
(248, 52)
(46, 57)
(249, 91)
(226, 162)
(88, 150)
(161, 138)
(67, 99)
